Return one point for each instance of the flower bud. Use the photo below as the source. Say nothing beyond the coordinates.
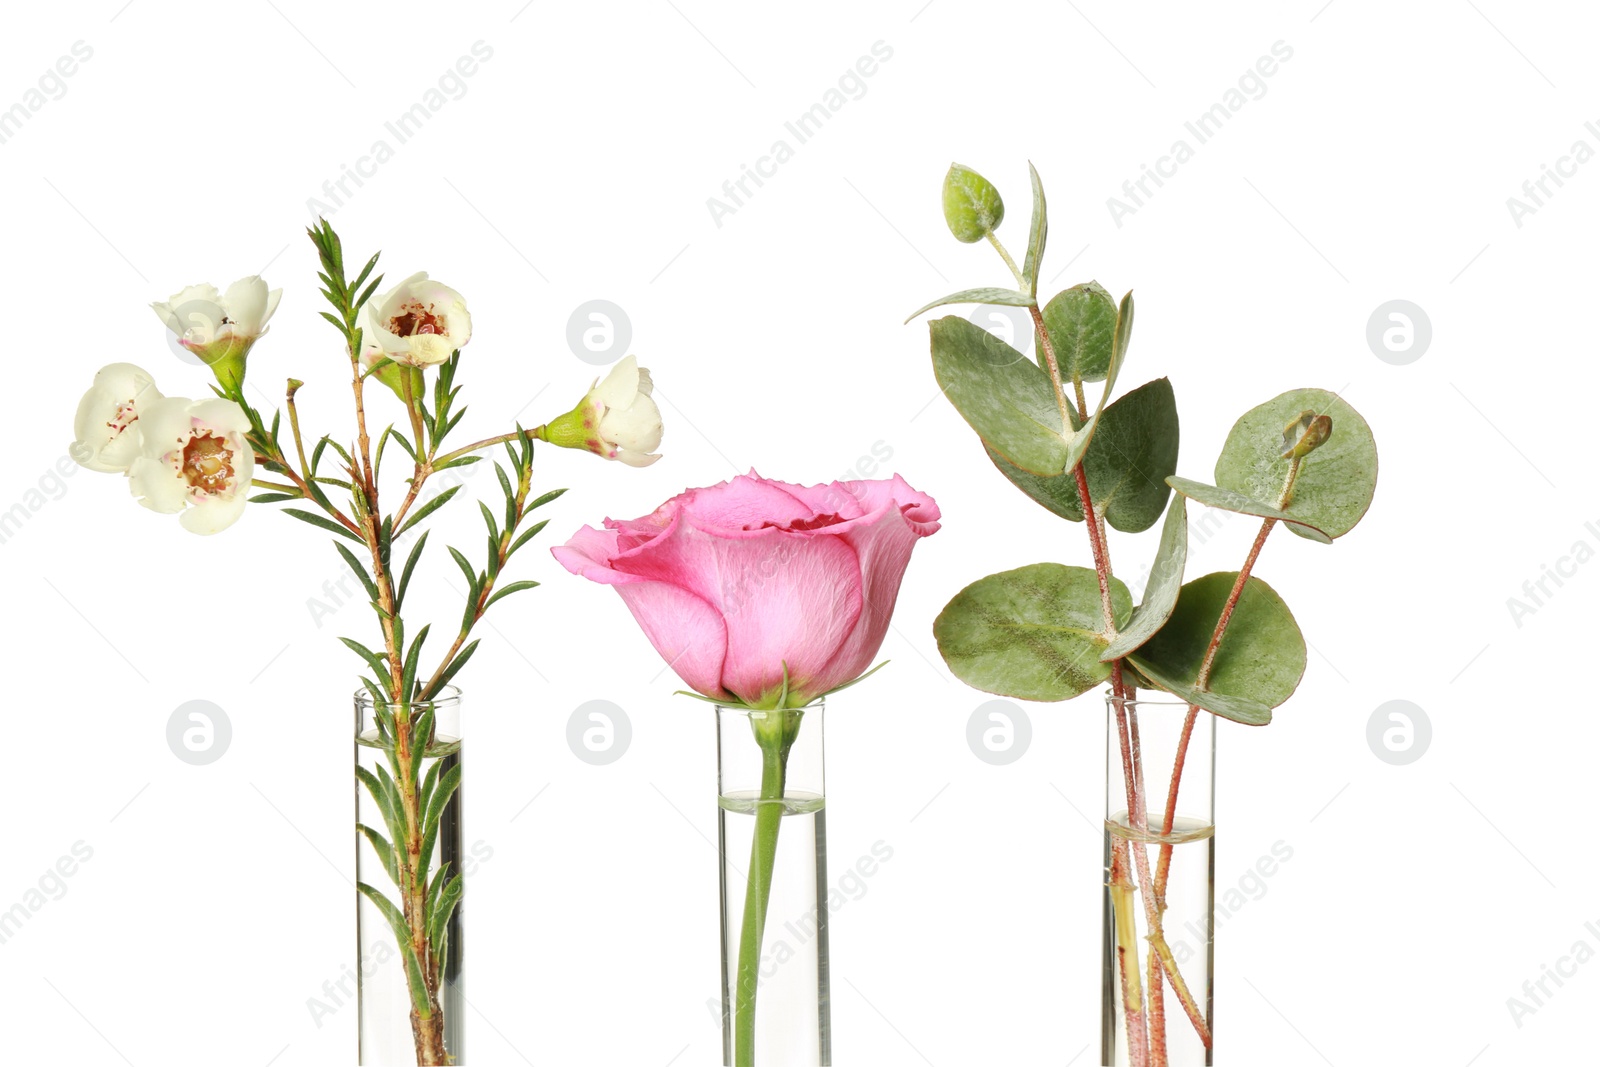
(221, 328)
(1304, 433)
(972, 206)
(616, 419)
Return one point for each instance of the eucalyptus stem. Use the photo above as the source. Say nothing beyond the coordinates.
(1022, 282)
(1156, 1056)
(1164, 862)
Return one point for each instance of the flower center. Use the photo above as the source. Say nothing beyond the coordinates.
(207, 463)
(415, 319)
(125, 416)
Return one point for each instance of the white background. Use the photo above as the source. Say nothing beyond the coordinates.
(577, 165)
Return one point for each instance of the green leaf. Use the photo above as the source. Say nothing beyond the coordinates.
(514, 587)
(402, 935)
(545, 499)
(1036, 235)
(1035, 633)
(1259, 661)
(527, 535)
(429, 780)
(367, 654)
(455, 666)
(1161, 588)
(273, 498)
(466, 569)
(1078, 444)
(430, 825)
(326, 524)
(1126, 464)
(1007, 297)
(972, 206)
(408, 676)
(439, 920)
(388, 803)
(358, 570)
(385, 851)
(411, 563)
(1227, 500)
(429, 508)
(1336, 482)
(1081, 323)
(1002, 394)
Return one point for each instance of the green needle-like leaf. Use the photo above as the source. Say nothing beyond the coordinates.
(428, 509)
(514, 587)
(324, 523)
(385, 851)
(397, 923)
(358, 570)
(377, 665)
(411, 563)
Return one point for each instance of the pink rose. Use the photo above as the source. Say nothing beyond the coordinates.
(732, 582)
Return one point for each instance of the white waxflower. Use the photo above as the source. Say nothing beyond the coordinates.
(617, 419)
(418, 322)
(220, 328)
(194, 460)
(106, 431)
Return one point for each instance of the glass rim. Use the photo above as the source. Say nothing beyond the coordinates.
(1171, 701)
(816, 705)
(449, 696)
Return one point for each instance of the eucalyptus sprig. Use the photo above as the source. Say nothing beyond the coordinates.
(1224, 643)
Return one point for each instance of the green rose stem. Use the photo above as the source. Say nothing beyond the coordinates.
(775, 731)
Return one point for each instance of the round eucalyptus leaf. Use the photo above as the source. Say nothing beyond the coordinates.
(1336, 481)
(1001, 393)
(1081, 323)
(1126, 465)
(1259, 661)
(1034, 633)
(1227, 500)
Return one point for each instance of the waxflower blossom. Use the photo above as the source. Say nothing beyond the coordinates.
(107, 434)
(752, 586)
(419, 322)
(617, 418)
(220, 328)
(194, 461)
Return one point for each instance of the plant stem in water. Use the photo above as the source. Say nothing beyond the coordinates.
(758, 889)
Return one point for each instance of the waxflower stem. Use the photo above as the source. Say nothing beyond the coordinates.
(775, 736)
(535, 434)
